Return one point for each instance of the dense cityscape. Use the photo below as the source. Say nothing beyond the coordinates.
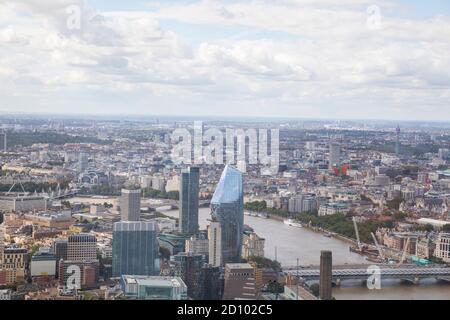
(98, 209)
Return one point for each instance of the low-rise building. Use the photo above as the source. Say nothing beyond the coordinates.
(153, 288)
(296, 292)
(240, 282)
(61, 220)
(425, 248)
(333, 208)
(43, 267)
(198, 245)
(13, 265)
(443, 247)
(22, 203)
(5, 294)
(252, 246)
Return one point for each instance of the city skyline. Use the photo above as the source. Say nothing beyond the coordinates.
(214, 58)
(377, 199)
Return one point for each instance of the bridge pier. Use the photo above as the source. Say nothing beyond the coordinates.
(337, 282)
(446, 279)
(409, 280)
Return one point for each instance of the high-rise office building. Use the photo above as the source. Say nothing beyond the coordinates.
(135, 248)
(397, 140)
(83, 161)
(215, 244)
(81, 253)
(81, 247)
(189, 267)
(2, 244)
(227, 208)
(130, 204)
(3, 141)
(189, 188)
(335, 155)
(211, 283)
(59, 250)
(326, 275)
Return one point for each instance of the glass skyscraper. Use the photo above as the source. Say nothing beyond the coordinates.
(135, 248)
(227, 208)
(189, 187)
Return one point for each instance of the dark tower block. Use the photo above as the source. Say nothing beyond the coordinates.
(326, 275)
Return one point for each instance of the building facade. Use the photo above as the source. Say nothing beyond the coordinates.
(189, 267)
(22, 203)
(227, 208)
(130, 204)
(253, 246)
(189, 189)
(153, 288)
(13, 267)
(215, 244)
(135, 248)
(82, 247)
(443, 247)
(240, 283)
(198, 244)
(335, 155)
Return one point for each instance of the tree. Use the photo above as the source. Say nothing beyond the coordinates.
(365, 198)
(259, 206)
(315, 289)
(399, 215)
(165, 253)
(263, 262)
(428, 227)
(395, 203)
(446, 228)
(66, 204)
(275, 287)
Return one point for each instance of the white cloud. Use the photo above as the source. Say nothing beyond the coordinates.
(332, 60)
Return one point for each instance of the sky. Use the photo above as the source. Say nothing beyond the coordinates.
(352, 59)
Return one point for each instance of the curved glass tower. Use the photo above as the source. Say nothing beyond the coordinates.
(227, 208)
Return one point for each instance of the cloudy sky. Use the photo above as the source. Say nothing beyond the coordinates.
(273, 58)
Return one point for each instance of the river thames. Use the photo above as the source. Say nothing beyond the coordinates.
(291, 243)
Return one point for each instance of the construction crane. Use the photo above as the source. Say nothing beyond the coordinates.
(380, 250)
(405, 248)
(357, 234)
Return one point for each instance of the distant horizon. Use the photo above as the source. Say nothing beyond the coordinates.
(125, 116)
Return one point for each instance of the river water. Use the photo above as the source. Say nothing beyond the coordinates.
(288, 244)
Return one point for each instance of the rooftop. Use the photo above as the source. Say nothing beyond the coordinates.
(156, 281)
(239, 266)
